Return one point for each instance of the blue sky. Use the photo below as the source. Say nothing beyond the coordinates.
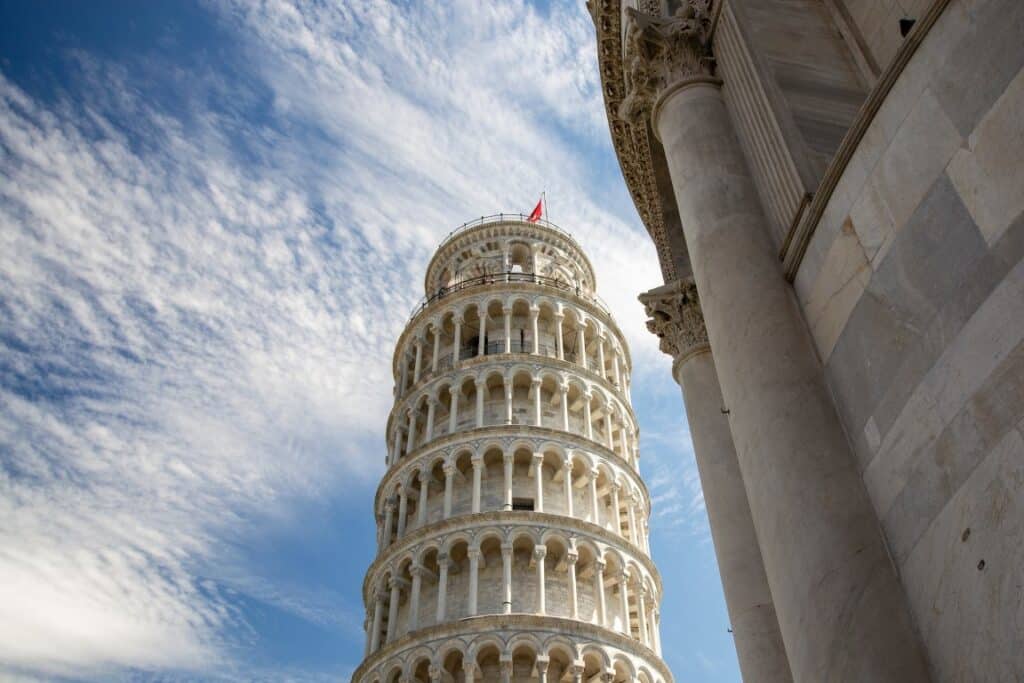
(214, 221)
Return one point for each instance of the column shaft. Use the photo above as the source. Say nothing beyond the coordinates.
(755, 627)
(819, 535)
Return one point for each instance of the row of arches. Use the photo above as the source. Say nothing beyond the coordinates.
(512, 570)
(510, 323)
(508, 476)
(501, 658)
(513, 394)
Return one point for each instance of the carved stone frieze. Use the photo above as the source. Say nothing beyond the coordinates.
(631, 76)
(676, 319)
(631, 142)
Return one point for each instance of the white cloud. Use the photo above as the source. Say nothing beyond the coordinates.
(191, 331)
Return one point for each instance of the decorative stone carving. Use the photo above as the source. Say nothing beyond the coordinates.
(676, 319)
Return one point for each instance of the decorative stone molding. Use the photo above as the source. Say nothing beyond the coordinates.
(662, 53)
(676, 319)
(631, 134)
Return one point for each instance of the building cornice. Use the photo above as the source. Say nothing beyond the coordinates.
(508, 521)
(573, 442)
(632, 134)
(559, 627)
(488, 291)
(510, 361)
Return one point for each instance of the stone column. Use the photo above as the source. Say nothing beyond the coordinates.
(421, 511)
(616, 370)
(410, 440)
(577, 673)
(600, 356)
(542, 663)
(434, 672)
(405, 374)
(539, 553)
(571, 558)
(587, 416)
(675, 317)
(437, 347)
(508, 461)
(538, 409)
(418, 362)
(456, 343)
(396, 593)
(824, 556)
(429, 427)
(564, 391)
(453, 410)
(481, 388)
(534, 313)
(538, 481)
(403, 508)
(478, 468)
(602, 610)
(594, 505)
(508, 328)
(449, 475)
(378, 616)
(609, 438)
(417, 572)
(559, 345)
(616, 512)
(567, 477)
(508, 400)
(482, 341)
(581, 343)
(505, 666)
(624, 600)
(506, 578)
(474, 575)
(389, 518)
(641, 611)
(442, 587)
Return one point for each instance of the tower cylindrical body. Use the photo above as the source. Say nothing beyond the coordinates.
(512, 519)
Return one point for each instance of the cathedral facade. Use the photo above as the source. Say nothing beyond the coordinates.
(835, 189)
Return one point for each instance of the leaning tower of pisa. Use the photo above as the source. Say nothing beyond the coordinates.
(512, 519)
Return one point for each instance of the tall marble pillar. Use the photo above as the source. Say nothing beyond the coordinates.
(675, 317)
(841, 609)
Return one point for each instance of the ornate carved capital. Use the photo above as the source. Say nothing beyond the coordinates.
(676, 319)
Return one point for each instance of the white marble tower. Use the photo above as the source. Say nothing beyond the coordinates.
(512, 519)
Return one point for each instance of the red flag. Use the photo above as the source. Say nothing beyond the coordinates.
(536, 213)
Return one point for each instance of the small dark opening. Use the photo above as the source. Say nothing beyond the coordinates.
(905, 25)
(522, 504)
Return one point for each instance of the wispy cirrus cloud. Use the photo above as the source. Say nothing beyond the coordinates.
(199, 293)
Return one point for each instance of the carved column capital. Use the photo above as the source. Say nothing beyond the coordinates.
(661, 53)
(675, 317)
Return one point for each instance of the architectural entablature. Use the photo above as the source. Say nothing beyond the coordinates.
(536, 441)
(589, 647)
(508, 366)
(578, 308)
(538, 528)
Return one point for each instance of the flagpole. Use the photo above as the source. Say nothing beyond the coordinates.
(544, 199)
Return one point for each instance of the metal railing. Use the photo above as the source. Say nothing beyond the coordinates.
(499, 217)
(509, 277)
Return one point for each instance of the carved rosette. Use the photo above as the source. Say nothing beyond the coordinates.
(675, 317)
